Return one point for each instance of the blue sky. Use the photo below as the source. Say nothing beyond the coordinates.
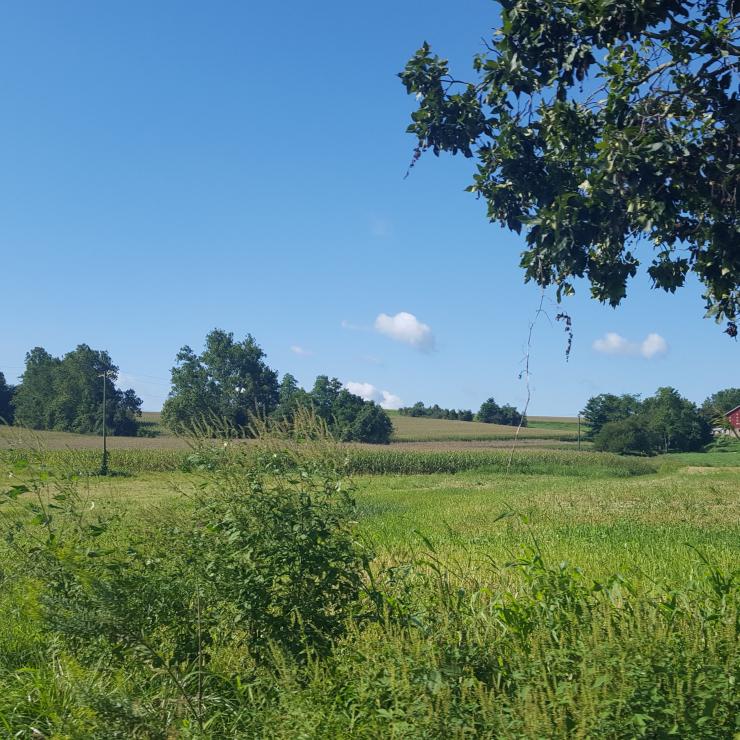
(170, 167)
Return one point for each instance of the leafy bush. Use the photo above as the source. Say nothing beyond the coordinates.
(630, 436)
(279, 549)
(264, 551)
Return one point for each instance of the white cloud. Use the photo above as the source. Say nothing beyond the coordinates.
(300, 351)
(391, 401)
(405, 327)
(653, 346)
(368, 392)
(614, 344)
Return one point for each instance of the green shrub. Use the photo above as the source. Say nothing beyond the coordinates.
(630, 436)
(278, 548)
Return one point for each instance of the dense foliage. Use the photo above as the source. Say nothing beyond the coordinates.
(349, 417)
(66, 394)
(718, 404)
(665, 422)
(229, 385)
(596, 126)
(491, 413)
(7, 409)
(627, 436)
(228, 382)
(436, 412)
(607, 407)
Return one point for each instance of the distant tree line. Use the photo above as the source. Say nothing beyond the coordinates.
(664, 422)
(229, 382)
(66, 394)
(489, 413)
(436, 412)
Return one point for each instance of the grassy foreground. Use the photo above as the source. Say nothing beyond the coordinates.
(566, 596)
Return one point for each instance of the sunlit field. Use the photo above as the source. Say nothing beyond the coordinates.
(550, 593)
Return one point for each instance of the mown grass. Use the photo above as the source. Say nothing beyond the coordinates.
(486, 628)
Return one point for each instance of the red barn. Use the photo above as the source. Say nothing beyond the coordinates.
(733, 416)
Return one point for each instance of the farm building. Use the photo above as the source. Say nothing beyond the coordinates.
(733, 416)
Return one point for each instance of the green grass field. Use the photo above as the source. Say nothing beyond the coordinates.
(486, 629)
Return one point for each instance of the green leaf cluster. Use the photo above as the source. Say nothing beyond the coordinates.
(608, 131)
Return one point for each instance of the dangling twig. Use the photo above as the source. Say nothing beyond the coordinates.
(525, 373)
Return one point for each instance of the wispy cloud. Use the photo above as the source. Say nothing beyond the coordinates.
(405, 327)
(352, 327)
(369, 392)
(300, 351)
(614, 344)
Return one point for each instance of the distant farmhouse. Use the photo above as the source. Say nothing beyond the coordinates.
(733, 417)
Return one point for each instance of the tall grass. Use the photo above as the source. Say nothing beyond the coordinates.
(251, 608)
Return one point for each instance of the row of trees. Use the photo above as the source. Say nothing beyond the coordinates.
(66, 394)
(436, 412)
(230, 381)
(489, 413)
(664, 422)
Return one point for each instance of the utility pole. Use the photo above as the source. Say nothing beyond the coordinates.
(579, 432)
(104, 463)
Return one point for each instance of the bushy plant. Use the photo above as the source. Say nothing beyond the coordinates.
(280, 552)
(263, 551)
(630, 436)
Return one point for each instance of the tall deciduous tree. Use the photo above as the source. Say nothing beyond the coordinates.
(598, 125)
(228, 382)
(66, 394)
(606, 408)
(676, 421)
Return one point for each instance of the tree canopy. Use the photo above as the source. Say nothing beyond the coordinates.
(491, 413)
(664, 422)
(7, 409)
(226, 383)
(66, 394)
(719, 403)
(436, 412)
(599, 128)
(607, 407)
(348, 416)
(230, 381)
